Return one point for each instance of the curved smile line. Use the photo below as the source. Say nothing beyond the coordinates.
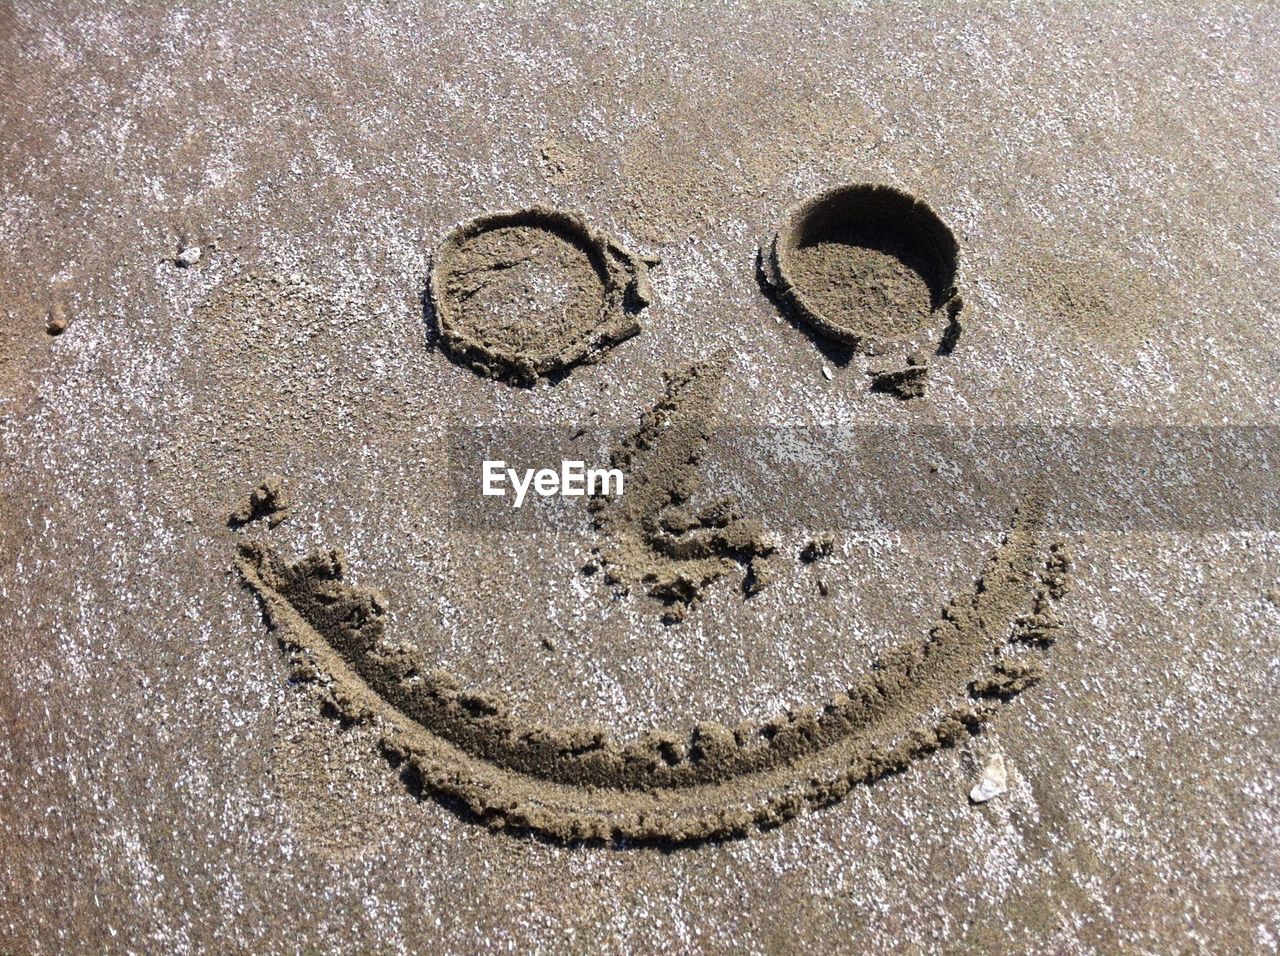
(578, 783)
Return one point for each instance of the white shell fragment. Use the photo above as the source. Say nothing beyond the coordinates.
(189, 256)
(995, 781)
(826, 373)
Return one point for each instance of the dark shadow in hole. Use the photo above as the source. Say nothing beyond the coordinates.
(905, 250)
(885, 220)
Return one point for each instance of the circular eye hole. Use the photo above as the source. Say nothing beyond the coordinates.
(531, 293)
(864, 262)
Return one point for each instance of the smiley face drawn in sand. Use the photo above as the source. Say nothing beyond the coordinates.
(862, 264)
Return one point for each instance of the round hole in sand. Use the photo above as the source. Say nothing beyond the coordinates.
(864, 262)
(530, 293)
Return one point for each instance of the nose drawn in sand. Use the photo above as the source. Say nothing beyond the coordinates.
(578, 783)
(653, 538)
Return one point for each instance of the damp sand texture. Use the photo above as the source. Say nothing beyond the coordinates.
(1110, 173)
(654, 538)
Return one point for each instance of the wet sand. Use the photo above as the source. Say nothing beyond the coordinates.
(220, 232)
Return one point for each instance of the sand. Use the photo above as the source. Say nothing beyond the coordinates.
(657, 537)
(195, 759)
(532, 293)
(579, 785)
(864, 263)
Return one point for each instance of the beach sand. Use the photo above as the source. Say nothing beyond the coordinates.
(219, 230)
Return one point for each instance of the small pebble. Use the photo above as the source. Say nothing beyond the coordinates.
(826, 373)
(189, 256)
(995, 781)
(57, 323)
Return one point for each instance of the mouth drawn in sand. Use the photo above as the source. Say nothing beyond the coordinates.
(579, 784)
(886, 264)
(532, 293)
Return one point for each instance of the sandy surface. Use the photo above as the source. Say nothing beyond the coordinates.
(1111, 175)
